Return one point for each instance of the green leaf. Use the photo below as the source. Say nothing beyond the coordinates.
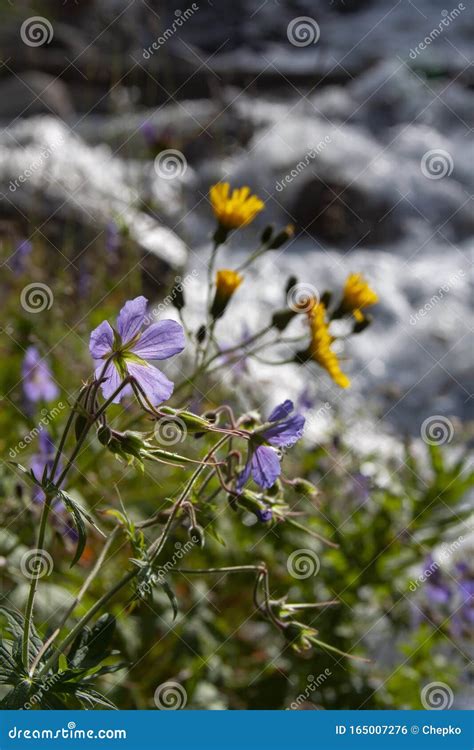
(90, 646)
(171, 596)
(94, 698)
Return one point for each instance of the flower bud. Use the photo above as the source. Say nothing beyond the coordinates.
(266, 235)
(361, 325)
(196, 535)
(304, 487)
(281, 318)
(177, 296)
(201, 334)
(104, 435)
(227, 282)
(282, 237)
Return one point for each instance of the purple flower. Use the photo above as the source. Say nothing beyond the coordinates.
(130, 350)
(281, 431)
(20, 256)
(38, 384)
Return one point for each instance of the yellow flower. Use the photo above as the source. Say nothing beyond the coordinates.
(357, 295)
(320, 346)
(234, 210)
(227, 281)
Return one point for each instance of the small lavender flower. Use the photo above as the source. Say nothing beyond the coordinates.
(130, 351)
(38, 384)
(263, 461)
(20, 256)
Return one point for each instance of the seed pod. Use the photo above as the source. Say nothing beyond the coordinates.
(196, 535)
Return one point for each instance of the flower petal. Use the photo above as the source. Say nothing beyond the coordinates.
(286, 433)
(265, 466)
(244, 475)
(160, 341)
(101, 340)
(281, 411)
(156, 386)
(112, 382)
(131, 317)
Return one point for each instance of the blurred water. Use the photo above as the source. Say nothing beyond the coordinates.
(361, 139)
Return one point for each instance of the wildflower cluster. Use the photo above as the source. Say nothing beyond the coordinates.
(241, 464)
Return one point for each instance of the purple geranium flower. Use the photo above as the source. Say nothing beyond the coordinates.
(282, 431)
(130, 350)
(38, 384)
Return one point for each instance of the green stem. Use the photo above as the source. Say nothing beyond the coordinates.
(34, 584)
(154, 550)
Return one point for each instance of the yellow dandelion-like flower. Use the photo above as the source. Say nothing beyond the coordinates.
(236, 209)
(357, 295)
(227, 281)
(320, 346)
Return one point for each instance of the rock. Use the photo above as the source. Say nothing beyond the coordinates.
(33, 93)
